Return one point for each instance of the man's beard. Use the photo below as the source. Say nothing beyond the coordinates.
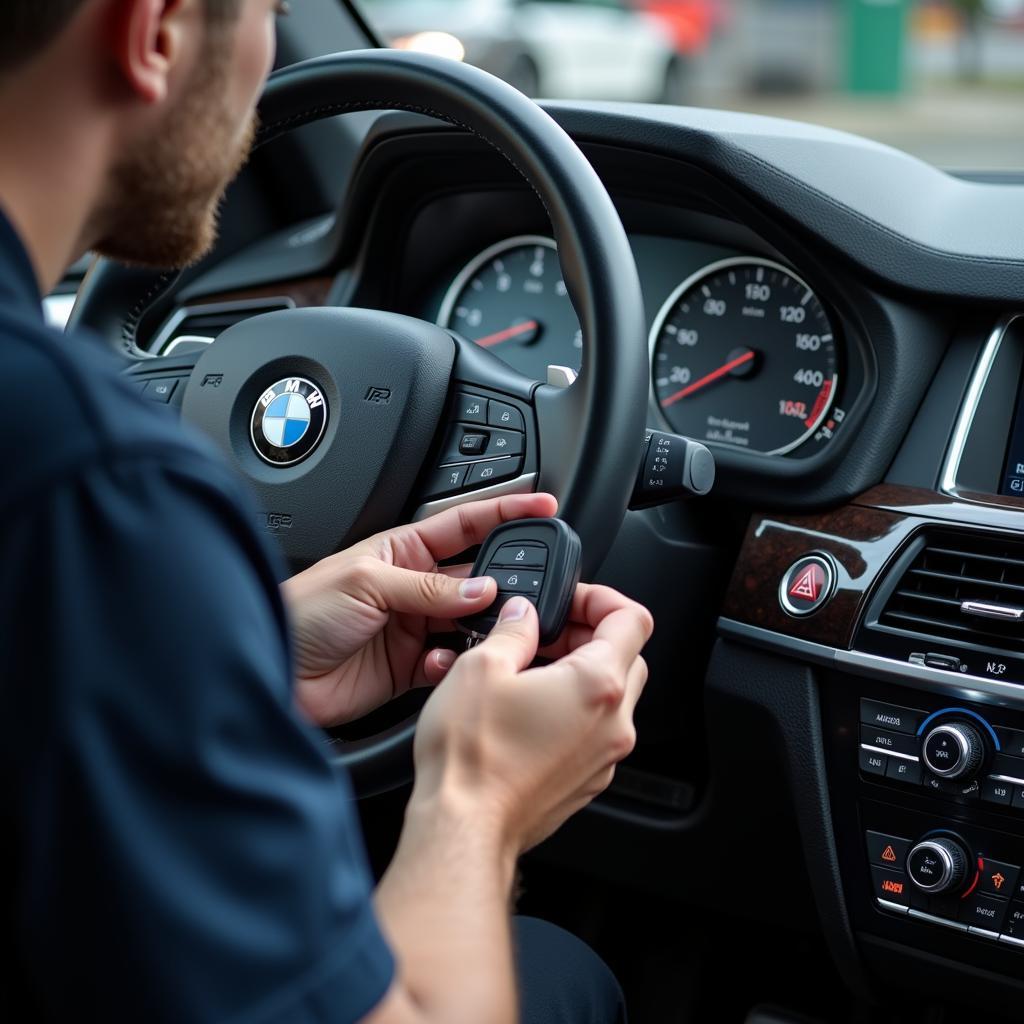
(162, 203)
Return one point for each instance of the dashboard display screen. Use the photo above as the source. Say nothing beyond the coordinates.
(1013, 470)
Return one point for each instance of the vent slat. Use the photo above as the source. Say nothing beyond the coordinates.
(952, 568)
(216, 318)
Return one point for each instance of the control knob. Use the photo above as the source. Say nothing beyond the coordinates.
(938, 865)
(953, 750)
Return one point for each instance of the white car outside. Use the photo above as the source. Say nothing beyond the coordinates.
(578, 49)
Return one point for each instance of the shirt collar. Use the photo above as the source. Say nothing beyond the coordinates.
(17, 277)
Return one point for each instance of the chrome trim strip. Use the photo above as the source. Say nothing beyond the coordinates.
(999, 612)
(964, 687)
(181, 314)
(947, 480)
(982, 933)
(1007, 778)
(1011, 941)
(896, 908)
(185, 339)
(890, 753)
(524, 484)
(945, 922)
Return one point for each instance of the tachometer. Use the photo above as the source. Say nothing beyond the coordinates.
(511, 299)
(744, 354)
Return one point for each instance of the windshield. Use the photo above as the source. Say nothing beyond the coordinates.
(943, 80)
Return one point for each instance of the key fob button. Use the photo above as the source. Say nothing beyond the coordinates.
(517, 581)
(528, 556)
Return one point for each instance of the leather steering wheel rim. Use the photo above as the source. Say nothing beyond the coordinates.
(591, 432)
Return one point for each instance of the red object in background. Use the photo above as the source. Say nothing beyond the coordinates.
(690, 23)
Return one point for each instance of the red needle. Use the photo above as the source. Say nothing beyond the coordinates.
(510, 332)
(713, 376)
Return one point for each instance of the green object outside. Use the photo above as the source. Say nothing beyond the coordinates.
(876, 36)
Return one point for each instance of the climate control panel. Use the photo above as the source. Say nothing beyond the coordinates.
(953, 752)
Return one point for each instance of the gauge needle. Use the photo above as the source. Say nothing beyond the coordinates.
(709, 378)
(506, 335)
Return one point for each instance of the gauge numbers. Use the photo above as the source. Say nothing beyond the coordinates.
(512, 300)
(744, 355)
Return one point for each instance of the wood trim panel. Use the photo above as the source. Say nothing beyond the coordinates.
(304, 292)
(863, 538)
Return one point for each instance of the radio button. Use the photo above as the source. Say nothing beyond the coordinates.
(994, 792)
(900, 769)
(872, 763)
(890, 716)
(983, 911)
(899, 742)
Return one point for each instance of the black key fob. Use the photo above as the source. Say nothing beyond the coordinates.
(538, 559)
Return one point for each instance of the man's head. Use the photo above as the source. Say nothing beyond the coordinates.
(172, 85)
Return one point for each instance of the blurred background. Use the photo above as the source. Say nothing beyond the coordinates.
(941, 79)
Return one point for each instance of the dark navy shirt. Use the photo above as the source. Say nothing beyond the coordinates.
(178, 848)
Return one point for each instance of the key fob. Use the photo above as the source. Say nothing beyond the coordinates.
(538, 559)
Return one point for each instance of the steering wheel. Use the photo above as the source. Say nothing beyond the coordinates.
(378, 401)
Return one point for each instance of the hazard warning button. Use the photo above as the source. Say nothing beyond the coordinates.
(808, 584)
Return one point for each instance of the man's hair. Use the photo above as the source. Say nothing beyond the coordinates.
(28, 26)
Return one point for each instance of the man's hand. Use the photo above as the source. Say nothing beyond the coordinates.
(524, 747)
(360, 618)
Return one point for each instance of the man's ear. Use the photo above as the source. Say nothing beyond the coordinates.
(150, 37)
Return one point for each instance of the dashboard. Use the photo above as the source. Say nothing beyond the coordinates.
(839, 661)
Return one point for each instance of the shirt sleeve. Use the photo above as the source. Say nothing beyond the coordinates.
(183, 849)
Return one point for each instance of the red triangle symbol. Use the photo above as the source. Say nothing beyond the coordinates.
(808, 584)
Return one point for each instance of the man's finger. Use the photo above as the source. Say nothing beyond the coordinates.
(464, 526)
(431, 594)
(514, 639)
(618, 638)
(434, 667)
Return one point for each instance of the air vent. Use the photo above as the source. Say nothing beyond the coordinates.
(963, 588)
(201, 324)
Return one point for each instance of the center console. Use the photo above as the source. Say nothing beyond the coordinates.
(907, 606)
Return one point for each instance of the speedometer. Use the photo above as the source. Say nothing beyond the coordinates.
(744, 355)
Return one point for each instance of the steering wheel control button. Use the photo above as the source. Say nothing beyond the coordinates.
(807, 585)
(887, 851)
(891, 886)
(160, 389)
(890, 716)
(289, 421)
(507, 416)
(472, 444)
(873, 763)
(517, 581)
(953, 750)
(446, 480)
(937, 865)
(525, 556)
(493, 471)
(471, 409)
(552, 590)
(505, 442)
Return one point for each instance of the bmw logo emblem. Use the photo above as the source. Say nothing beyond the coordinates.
(289, 421)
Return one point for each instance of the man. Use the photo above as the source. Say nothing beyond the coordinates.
(179, 849)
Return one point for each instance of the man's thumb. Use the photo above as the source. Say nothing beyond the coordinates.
(432, 593)
(516, 636)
